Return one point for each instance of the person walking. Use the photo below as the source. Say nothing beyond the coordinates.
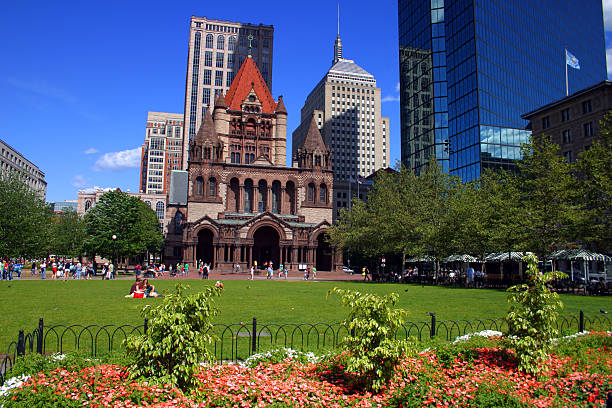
(252, 272)
(111, 271)
(2, 270)
(314, 273)
(186, 269)
(10, 267)
(43, 267)
(54, 270)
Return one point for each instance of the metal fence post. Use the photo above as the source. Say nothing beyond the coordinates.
(21, 344)
(39, 339)
(581, 323)
(433, 325)
(254, 337)
(146, 325)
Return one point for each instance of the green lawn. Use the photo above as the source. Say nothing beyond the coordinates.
(102, 302)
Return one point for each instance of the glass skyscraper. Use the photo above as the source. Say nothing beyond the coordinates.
(470, 68)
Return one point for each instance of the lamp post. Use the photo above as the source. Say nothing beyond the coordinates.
(114, 237)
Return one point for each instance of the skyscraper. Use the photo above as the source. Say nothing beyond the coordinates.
(346, 107)
(162, 151)
(216, 52)
(470, 68)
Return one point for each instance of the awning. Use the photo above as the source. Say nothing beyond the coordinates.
(505, 256)
(460, 258)
(578, 255)
(425, 258)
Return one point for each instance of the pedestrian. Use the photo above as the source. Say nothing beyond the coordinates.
(10, 267)
(280, 271)
(54, 270)
(2, 270)
(111, 271)
(43, 267)
(186, 269)
(79, 270)
(252, 272)
(205, 271)
(286, 272)
(314, 273)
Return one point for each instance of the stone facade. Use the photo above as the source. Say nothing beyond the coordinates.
(244, 205)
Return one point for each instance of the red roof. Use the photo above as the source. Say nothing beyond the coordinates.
(247, 78)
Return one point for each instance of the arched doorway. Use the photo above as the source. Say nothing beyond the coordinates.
(205, 250)
(265, 246)
(324, 254)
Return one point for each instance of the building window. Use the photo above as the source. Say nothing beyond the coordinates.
(235, 157)
(220, 42)
(323, 193)
(207, 76)
(587, 107)
(206, 96)
(212, 187)
(219, 61)
(208, 58)
(218, 78)
(229, 78)
(199, 187)
(209, 41)
(160, 209)
(567, 136)
(311, 188)
(588, 129)
(565, 115)
(230, 60)
(568, 156)
(87, 205)
(545, 122)
(231, 44)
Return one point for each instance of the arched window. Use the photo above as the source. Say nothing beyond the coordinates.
(248, 196)
(323, 193)
(262, 195)
(209, 41)
(276, 197)
(160, 209)
(317, 160)
(212, 187)
(87, 205)
(148, 203)
(220, 42)
(231, 44)
(199, 186)
(311, 189)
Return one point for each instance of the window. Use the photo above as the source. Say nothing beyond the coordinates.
(218, 78)
(219, 61)
(229, 78)
(231, 58)
(565, 115)
(209, 41)
(266, 43)
(160, 209)
(586, 107)
(220, 42)
(231, 44)
(545, 122)
(588, 129)
(567, 136)
(207, 76)
(206, 96)
(235, 157)
(311, 189)
(208, 58)
(323, 193)
(87, 205)
(199, 187)
(212, 186)
(568, 156)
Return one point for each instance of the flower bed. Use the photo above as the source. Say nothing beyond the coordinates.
(478, 372)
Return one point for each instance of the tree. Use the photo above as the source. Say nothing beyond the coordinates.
(68, 234)
(130, 220)
(548, 195)
(24, 218)
(594, 175)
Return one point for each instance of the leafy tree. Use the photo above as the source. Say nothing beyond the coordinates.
(548, 195)
(24, 218)
(130, 220)
(69, 233)
(594, 175)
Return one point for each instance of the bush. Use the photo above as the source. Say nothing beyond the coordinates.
(372, 350)
(532, 316)
(176, 342)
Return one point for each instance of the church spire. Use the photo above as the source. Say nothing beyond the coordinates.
(338, 43)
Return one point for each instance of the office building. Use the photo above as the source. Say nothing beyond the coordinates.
(59, 207)
(346, 106)
(13, 161)
(469, 70)
(243, 204)
(162, 151)
(216, 51)
(573, 122)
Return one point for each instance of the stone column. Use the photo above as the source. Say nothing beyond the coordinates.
(269, 198)
(282, 209)
(240, 208)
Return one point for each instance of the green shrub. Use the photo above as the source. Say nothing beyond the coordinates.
(372, 350)
(176, 342)
(532, 316)
(496, 395)
(41, 397)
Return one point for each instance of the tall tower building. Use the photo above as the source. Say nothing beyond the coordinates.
(346, 107)
(162, 151)
(469, 70)
(217, 49)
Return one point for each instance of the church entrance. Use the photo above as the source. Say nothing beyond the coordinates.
(324, 254)
(205, 250)
(266, 246)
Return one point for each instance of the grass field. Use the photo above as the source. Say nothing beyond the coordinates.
(102, 302)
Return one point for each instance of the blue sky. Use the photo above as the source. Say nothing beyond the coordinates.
(77, 78)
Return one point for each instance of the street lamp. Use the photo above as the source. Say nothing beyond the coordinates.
(114, 237)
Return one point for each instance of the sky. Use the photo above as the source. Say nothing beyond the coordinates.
(77, 78)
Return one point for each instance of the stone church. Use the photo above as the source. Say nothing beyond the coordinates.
(244, 205)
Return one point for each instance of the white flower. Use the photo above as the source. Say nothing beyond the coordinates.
(11, 383)
(484, 333)
(58, 357)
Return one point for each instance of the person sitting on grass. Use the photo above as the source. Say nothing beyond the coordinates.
(136, 286)
(149, 290)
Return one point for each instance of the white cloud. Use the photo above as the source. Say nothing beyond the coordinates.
(42, 88)
(390, 98)
(91, 150)
(93, 189)
(79, 181)
(397, 87)
(125, 159)
(609, 61)
(607, 11)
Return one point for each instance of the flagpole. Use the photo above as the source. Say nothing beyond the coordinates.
(566, 81)
(350, 195)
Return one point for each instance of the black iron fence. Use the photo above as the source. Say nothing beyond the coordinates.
(238, 341)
